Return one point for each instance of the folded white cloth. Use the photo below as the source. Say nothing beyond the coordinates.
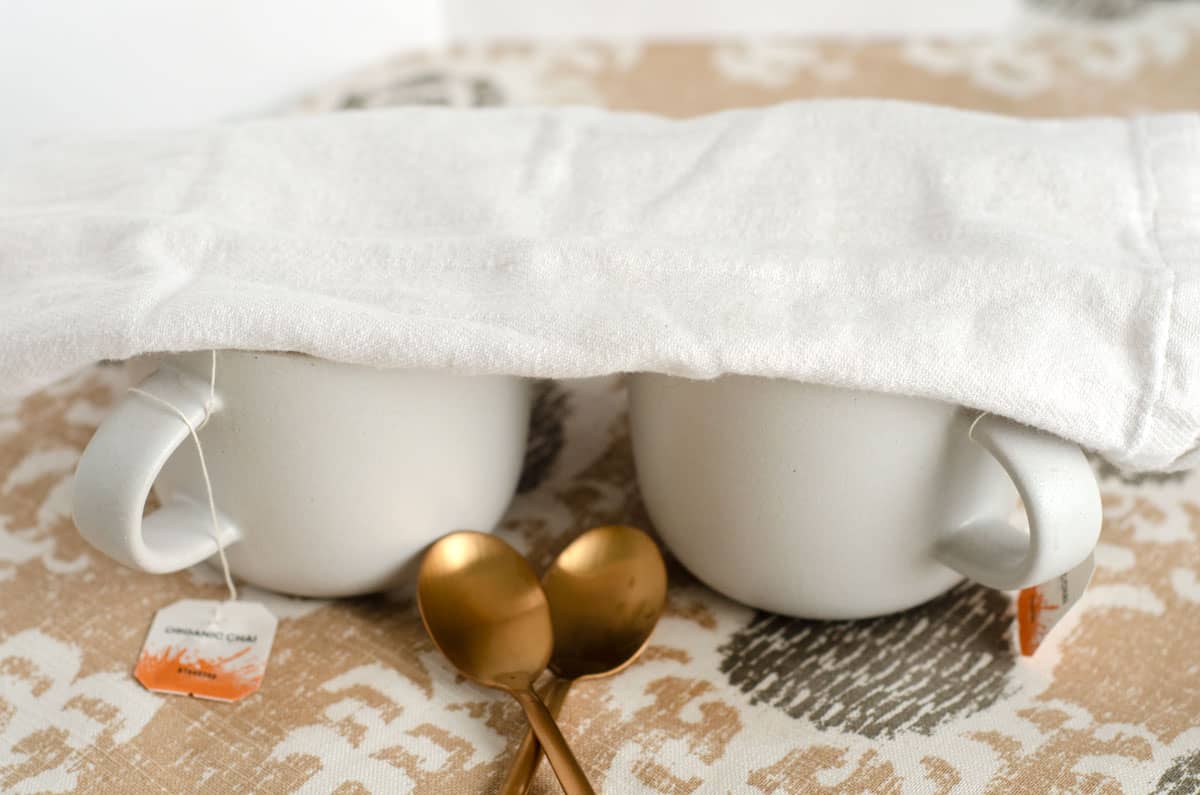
(1044, 270)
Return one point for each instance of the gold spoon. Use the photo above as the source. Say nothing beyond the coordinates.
(606, 591)
(484, 608)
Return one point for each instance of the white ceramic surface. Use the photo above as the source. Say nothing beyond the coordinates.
(833, 504)
(329, 478)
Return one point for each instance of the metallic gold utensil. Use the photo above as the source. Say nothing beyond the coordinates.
(484, 608)
(606, 591)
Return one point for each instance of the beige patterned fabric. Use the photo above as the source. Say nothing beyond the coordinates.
(725, 699)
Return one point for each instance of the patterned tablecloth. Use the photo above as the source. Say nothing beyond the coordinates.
(725, 699)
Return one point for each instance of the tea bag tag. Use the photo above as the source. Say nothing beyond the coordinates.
(208, 649)
(1041, 607)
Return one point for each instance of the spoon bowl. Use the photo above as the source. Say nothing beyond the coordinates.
(606, 591)
(485, 610)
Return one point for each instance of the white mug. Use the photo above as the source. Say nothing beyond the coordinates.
(831, 503)
(328, 478)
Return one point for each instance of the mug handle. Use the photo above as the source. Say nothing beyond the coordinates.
(1062, 503)
(118, 468)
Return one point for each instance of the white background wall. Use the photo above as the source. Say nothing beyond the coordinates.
(83, 65)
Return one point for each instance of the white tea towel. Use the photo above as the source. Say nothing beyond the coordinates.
(1048, 271)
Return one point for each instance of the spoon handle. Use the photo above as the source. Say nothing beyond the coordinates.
(566, 767)
(529, 753)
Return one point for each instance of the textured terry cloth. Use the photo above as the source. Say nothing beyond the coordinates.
(1048, 271)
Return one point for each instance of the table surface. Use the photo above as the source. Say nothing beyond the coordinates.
(724, 699)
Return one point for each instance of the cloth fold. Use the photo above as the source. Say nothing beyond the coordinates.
(1044, 270)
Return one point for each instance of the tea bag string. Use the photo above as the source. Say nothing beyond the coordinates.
(971, 430)
(212, 504)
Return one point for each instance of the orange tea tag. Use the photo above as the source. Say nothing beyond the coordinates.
(200, 647)
(1041, 607)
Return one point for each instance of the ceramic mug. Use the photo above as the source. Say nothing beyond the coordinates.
(328, 478)
(831, 503)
